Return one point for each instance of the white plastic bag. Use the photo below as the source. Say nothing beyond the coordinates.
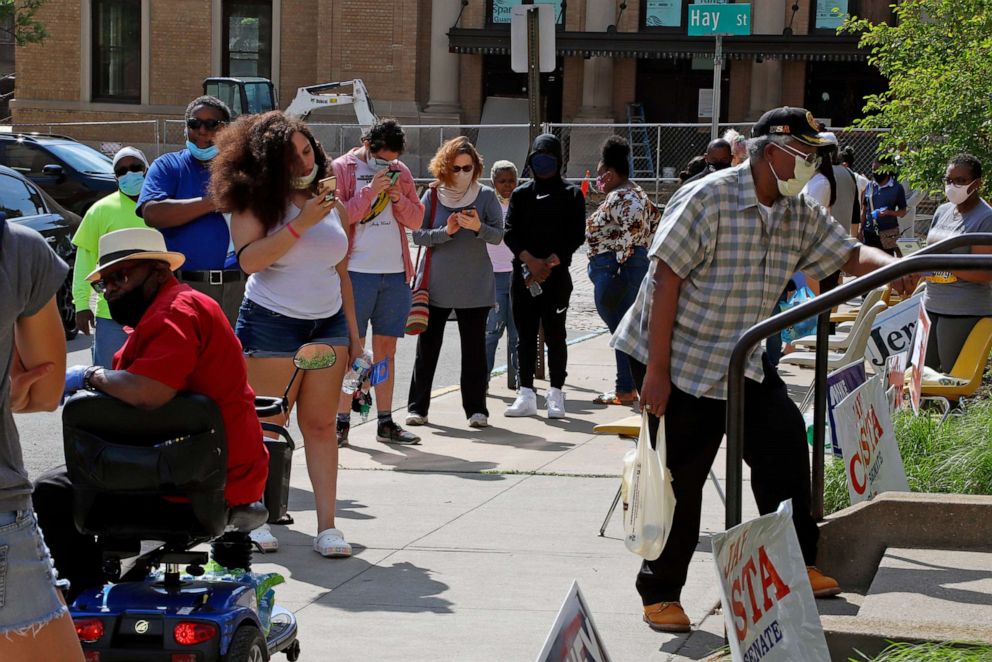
(648, 498)
(768, 603)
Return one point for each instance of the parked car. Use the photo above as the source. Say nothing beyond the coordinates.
(23, 202)
(76, 175)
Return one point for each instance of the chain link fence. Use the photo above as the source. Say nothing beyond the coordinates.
(105, 137)
(659, 151)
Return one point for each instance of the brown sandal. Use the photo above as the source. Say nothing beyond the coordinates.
(612, 398)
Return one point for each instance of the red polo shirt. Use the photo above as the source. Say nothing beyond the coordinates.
(184, 341)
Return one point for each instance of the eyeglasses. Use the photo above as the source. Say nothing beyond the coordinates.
(810, 159)
(116, 279)
(464, 168)
(209, 125)
(958, 181)
(135, 167)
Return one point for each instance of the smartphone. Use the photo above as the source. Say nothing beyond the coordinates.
(469, 210)
(328, 186)
(393, 175)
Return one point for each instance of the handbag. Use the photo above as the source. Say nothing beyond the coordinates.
(648, 497)
(416, 320)
(887, 237)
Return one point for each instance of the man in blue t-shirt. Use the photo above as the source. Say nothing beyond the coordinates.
(175, 200)
(883, 205)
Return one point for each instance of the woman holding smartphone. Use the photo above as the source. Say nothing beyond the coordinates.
(290, 237)
(461, 217)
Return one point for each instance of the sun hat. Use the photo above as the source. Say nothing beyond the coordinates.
(134, 244)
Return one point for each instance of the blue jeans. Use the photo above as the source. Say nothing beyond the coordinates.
(500, 319)
(601, 269)
(29, 597)
(108, 337)
(265, 333)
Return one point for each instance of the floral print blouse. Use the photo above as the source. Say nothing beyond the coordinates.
(625, 220)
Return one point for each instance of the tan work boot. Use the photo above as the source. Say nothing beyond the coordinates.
(823, 586)
(666, 617)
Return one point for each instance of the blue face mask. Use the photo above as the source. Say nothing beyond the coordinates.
(201, 153)
(544, 165)
(130, 184)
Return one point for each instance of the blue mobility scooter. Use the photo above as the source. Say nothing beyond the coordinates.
(142, 476)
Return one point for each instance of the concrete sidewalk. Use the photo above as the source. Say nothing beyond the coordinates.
(466, 545)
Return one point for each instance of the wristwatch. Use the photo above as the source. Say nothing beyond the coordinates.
(88, 376)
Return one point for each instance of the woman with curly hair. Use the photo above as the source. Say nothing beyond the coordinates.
(461, 217)
(290, 238)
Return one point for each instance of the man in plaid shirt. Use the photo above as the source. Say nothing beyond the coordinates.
(725, 248)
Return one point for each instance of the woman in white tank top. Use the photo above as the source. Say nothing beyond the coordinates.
(291, 240)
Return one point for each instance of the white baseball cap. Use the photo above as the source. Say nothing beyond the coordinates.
(124, 152)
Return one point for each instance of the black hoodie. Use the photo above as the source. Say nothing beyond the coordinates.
(546, 216)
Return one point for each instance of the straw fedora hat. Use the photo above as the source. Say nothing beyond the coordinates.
(134, 244)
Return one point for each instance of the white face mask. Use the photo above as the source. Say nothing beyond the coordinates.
(802, 174)
(957, 193)
(305, 181)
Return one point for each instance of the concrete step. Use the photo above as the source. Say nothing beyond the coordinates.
(916, 595)
(932, 587)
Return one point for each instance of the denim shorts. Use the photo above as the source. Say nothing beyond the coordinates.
(28, 594)
(384, 300)
(266, 333)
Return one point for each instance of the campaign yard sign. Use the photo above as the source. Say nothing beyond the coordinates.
(768, 604)
(871, 454)
(840, 383)
(892, 331)
(918, 356)
(573, 637)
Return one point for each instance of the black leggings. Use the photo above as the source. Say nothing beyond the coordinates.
(948, 334)
(548, 309)
(774, 447)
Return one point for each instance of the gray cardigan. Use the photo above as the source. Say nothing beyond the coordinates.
(461, 274)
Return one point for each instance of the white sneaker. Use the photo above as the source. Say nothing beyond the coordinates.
(415, 419)
(556, 403)
(264, 540)
(478, 421)
(331, 543)
(524, 405)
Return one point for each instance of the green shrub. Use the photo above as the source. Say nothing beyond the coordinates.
(930, 652)
(953, 458)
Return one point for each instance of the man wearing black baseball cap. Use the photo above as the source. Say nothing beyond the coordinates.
(736, 237)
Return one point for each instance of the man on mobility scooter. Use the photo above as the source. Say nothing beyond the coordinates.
(155, 461)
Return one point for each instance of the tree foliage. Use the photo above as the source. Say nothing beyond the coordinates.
(937, 57)
(17, 17)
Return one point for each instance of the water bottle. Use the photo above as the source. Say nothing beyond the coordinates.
(358, 373)
(534, 287)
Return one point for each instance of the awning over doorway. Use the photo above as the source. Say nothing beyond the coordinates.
(496, 41)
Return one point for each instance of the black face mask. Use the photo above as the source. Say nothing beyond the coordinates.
(128, 308)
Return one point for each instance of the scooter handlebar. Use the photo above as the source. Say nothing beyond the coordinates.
(266, 406)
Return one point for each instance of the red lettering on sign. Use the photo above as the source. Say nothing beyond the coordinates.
(772, 589)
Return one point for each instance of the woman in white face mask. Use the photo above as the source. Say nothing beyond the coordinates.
(460, 217)
(956, 300)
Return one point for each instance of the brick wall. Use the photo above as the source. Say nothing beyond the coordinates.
(302, 46)
(180, 51)
(51, 70)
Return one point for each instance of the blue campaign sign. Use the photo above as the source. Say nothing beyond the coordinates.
(711, 20)
(379, 372)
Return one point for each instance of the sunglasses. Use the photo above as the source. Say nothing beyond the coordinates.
(810, 159)
(136, 167)
(464, 168)
(117, 279)
(209, 125)
(958, 181)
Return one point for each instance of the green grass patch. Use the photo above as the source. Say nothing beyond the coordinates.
(952, 458)
(930, 652)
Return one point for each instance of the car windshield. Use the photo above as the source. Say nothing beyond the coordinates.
(83, 158)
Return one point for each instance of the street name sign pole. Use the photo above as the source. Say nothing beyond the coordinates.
(718, 20)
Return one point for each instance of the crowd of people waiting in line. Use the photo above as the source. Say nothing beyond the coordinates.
(191, 300)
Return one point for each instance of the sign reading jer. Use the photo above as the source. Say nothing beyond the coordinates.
(717, 20)
(767, 600)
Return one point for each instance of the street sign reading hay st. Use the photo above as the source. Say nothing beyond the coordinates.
(712, 20)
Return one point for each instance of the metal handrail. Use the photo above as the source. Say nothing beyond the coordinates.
(928, 259)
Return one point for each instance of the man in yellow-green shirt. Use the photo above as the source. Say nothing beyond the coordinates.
(114, 212)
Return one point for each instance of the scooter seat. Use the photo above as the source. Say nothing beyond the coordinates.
(247, 517)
